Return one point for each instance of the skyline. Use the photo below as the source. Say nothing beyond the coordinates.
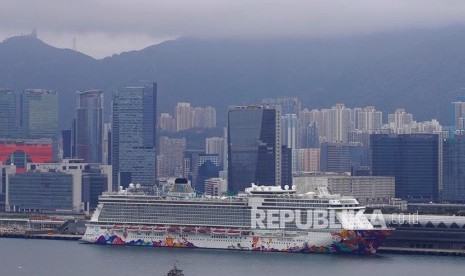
(102, 29)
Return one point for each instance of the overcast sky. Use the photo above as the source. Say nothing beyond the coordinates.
(104, 27)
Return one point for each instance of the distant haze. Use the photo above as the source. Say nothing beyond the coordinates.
(101, 28)
(422, 71)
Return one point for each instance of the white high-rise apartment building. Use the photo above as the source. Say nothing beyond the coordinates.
(215, 145)
(400, 122)
(459, 115)
(187, 117)
(368, 119)
(184, 116)
(209, 117)
(338, 122)
(167, 122)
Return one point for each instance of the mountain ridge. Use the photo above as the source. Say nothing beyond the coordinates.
(422, 71)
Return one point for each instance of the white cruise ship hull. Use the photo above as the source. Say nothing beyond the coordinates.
(364, 242)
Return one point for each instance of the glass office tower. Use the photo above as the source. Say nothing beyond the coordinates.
(134, 136)
(39, 116)
(254, 147)
(413, 159)
(454, 169)
(7, 113)
(39, 113)
(89, 126)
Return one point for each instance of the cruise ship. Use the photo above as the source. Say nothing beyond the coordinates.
(262, 218)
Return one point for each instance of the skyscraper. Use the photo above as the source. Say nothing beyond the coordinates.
(288, 105)
(459, 115)
(167, 122)
(89, 126)
(254, 146)
(39, 116)
(306, 160)
(413, 159)
(341, 157)
(134, 136)
(400, 122)
(309, 137)
(205, 166)
(289, 130)
(171, 156)
(338, 123)
(39, 113)
(215, 145)
(183, 116)
(368, 119)
(209, 117)
(7, 113)
(454, 169)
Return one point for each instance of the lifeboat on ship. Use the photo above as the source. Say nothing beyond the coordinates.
(146, 229)
(233, 232)
(133, 228)
(173, 229)
(218, 231)
(188, 230)
(117, 227)
(203, 230)
(159, 229)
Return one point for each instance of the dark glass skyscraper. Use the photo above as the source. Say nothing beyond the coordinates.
(454, 169)
(7, 114)
(89, 126)
(414, 161)
(254, 147)
(134, 136)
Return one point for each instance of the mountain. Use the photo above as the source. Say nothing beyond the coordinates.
(420, 70)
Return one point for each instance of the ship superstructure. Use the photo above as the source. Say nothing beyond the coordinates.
(263, 218)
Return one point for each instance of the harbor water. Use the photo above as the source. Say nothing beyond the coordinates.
(71, 258)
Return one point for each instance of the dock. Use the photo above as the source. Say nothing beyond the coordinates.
(41, 236)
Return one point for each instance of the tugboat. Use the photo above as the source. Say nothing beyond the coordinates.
(175, 271)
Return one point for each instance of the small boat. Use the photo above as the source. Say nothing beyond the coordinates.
(146, 228)
(175, 271)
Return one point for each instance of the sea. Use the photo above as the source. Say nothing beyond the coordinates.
(71, 258)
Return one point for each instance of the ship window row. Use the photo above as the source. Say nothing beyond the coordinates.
(295, 205)
(126, 206)
(172, 213)
(179, 218)
(164, 210)
(215, 223)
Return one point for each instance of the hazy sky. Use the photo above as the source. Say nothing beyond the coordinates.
(104, 27)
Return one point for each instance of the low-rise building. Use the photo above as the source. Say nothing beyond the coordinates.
(367, 190)
(68, 186)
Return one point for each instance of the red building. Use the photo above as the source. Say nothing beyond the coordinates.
(23, 151)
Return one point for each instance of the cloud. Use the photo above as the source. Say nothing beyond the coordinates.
(108, 26)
